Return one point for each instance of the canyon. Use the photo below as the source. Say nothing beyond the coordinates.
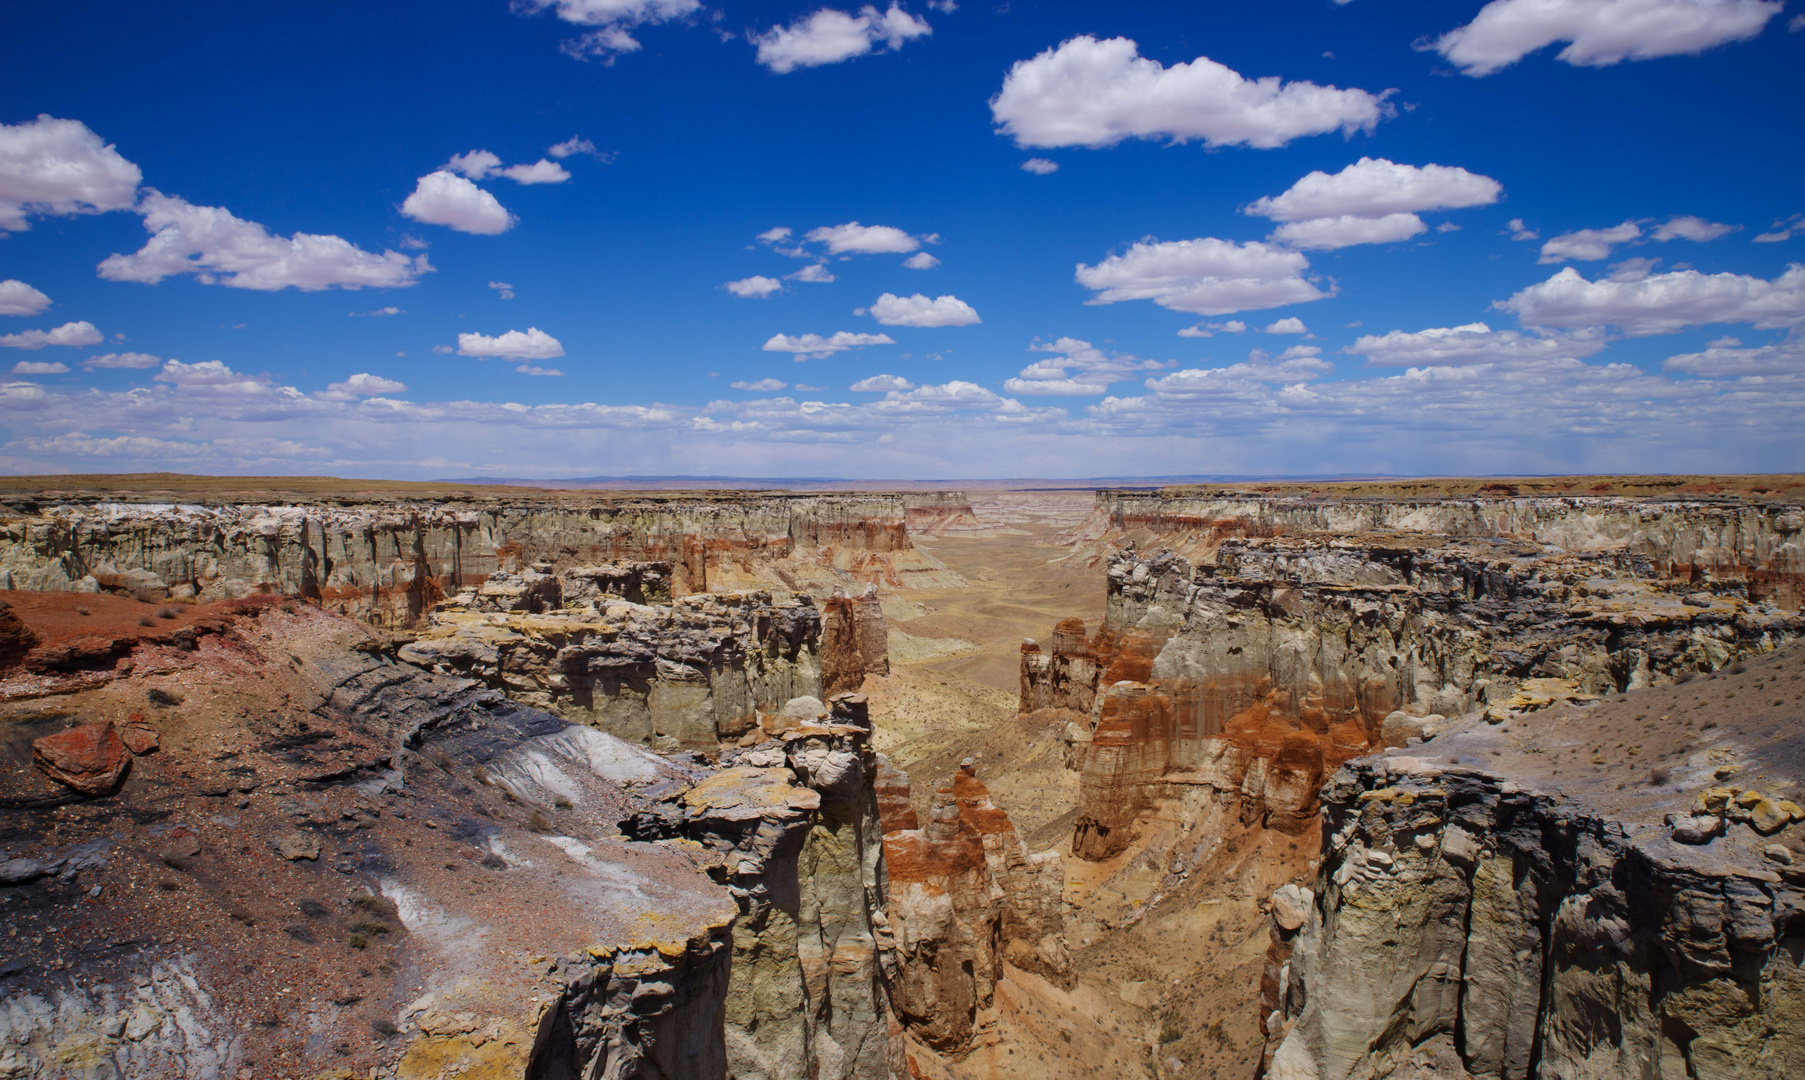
(1300, 782)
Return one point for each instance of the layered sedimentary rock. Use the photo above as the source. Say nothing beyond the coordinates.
(326, 860)
(792, 827)
(1758, 545)
(390, 562)
(854, 640)
(966, 897)
(686, 675)
(1258, 673)
(1485, 908)
(937, 513)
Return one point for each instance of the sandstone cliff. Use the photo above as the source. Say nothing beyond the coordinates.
(1530, 899)
(681, 676)
(1753, 543)
(390, 562)
(966, 897)
(1259, 673)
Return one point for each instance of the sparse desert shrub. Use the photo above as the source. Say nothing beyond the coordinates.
(480, 774)
(1170, 1032)
(1659, 777)
(440, 758)
(313, 909)
(1738, 668)
(167, 612)
(82, 610)
(358, 941)
(563, 804)
(146, 620)
(382, 1029)
(538, 823)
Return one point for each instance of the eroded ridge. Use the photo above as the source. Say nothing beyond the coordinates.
(390, 562)
(1514, 901)
(1257, 674)
(1683, 532)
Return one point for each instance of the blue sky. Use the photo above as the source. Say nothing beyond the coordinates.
(1254, 239)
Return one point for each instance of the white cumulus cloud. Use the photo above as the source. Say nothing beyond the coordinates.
(762, 386)
(136, 361)
(613, 22)
(1687, 227)
(18, 298)
(1662, 303)
(1079, 370)
(1205, 276)
(863, 239)
(477, 164)
(1723, 361)
(1292, 325)
(539, 172)
(918, 310)
(1598, 32)
(829, 36)
(1474, 343)
(814, 346)
(880, 384)
(1211, 329)
(363, 384)
(816, 273)
(756, 287)
(1088, 92)
(222, 249)
(51, 167)
(1330, 234)
(40, 367)
(444, 198)
(573, 145)
(1040, 166)
(1588, 245)
(70, 333)
(532, 344)
(921, 260)
(1375, 187)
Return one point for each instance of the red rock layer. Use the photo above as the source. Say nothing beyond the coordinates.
(965, 896)
(854, 641)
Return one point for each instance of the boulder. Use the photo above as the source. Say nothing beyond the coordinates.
(296, 845)
(140, 735)
(1697, 828)
(90, 758)
(1291, 906)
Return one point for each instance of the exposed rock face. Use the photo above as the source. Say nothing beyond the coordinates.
(792, 827)
(936, 513)
(683, 676)
(1759, 546)
(335, 861)
(966, 896)
(390, 562)
(854, 640)
(734, 925)
(1260, 673)
(1477, 929)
